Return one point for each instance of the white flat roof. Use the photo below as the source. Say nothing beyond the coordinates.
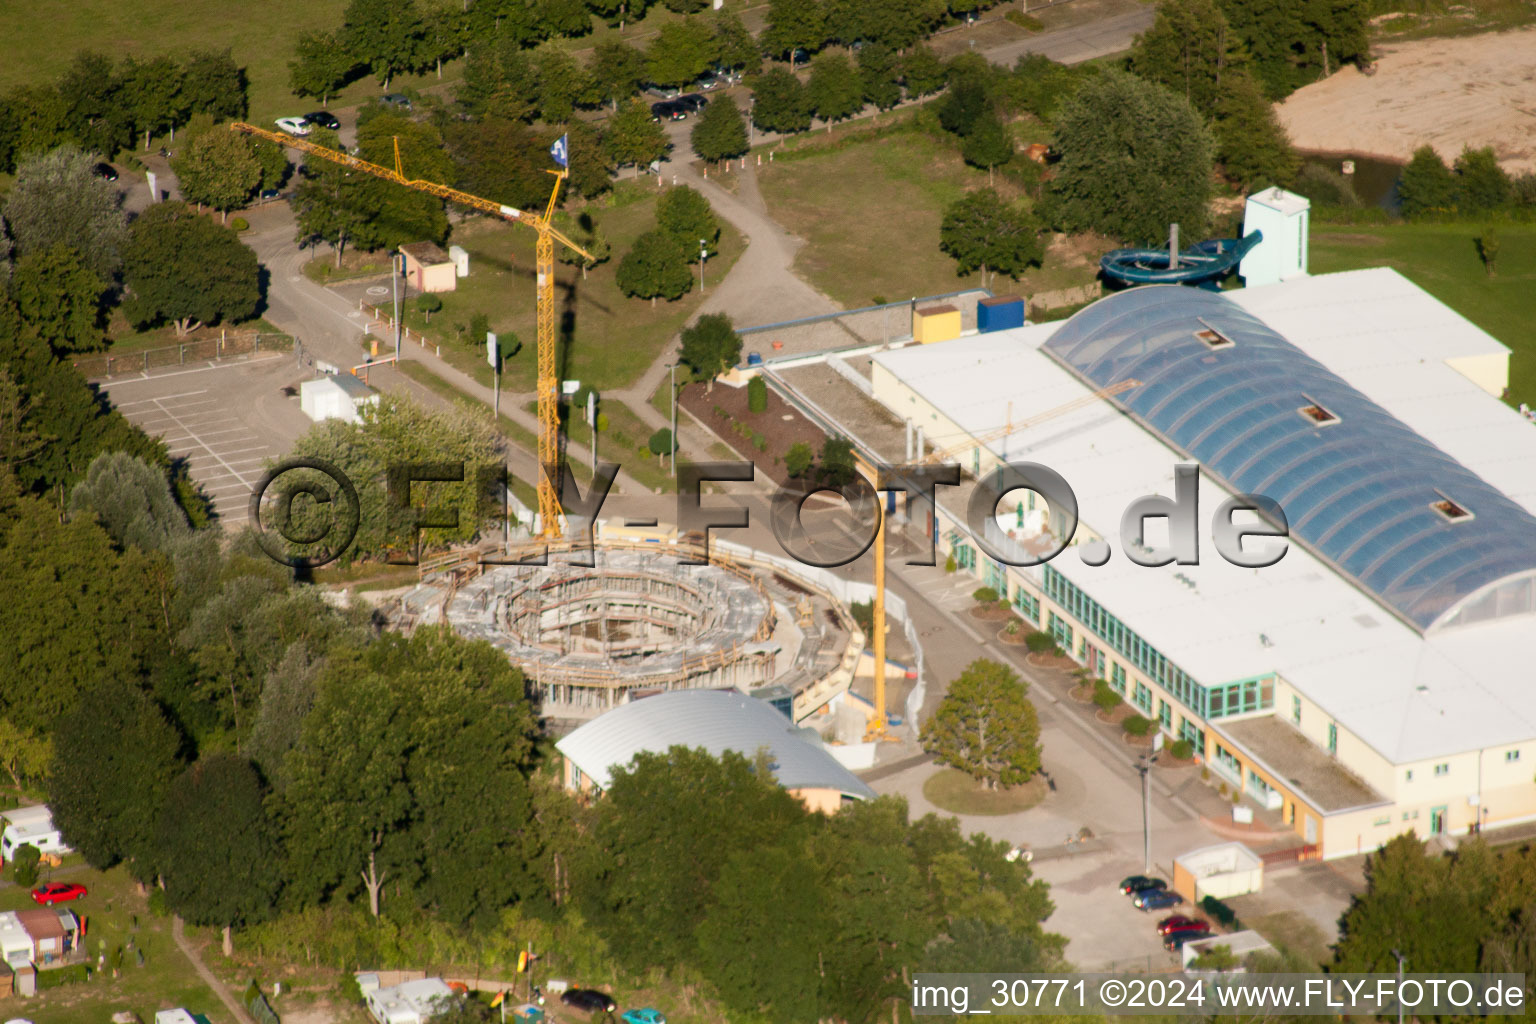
(1407, 696)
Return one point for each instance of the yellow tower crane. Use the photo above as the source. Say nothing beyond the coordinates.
(549, 412)
(877, 722)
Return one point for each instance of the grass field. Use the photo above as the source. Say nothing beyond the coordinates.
(870, 214)
(610, 339)
(115, 914)
(1443, 260)
(620, 443)
(958, 793)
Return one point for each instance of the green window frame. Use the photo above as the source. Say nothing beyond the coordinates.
(1027, 604)
(1165, 714)
(1142, 698)
(1117, 677)
(1296, 709)
(1333, 738)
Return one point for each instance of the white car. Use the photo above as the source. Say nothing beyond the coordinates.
(293, 125)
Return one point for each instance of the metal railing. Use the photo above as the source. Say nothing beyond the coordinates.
(200, 350)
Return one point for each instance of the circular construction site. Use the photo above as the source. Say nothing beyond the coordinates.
(641, 621)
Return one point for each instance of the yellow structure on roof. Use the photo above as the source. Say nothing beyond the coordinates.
(935, 323)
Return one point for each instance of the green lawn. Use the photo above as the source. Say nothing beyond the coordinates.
(870, 214)
(115, 913)
(1443, 260)
(620, 443)
(609, 339)
(956, 792)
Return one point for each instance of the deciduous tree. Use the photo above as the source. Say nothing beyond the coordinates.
(781, 103)
(154, 95)
(132, 501)
(57, 200)
(1191, 50)
(563, 83)
(793, 24)
(983, 231)
(1251, 143)
(710, 346)
(686, 215)
(989, 144)
(386, 35)
(1481, 184)
(215, 85)
(834, 91)
(633, 138)
(735, 47)
(60, 299)
(986, 727)
(720, 133)
(656, 266)
(184, 268)
(1427, 186)
(322, 64)
(617, 69)
(219, 169)
(680, 52)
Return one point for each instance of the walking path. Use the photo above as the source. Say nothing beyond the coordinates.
(179, 933)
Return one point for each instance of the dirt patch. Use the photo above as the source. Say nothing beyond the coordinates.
(1449, 93)
(1012, 639)
(1082, 693)
(990, 613)
(1115, 715)
(779, 425)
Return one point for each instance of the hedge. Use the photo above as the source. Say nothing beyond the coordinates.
(56, 976)
(1218, 910)
(1136, 725)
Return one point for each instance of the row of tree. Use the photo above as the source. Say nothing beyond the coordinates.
(103, 106)
(659, 264)
(1474, 186)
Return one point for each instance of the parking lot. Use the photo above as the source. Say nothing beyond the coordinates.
(225, 420)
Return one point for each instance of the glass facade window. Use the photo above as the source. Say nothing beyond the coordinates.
(992, 575)
(1027, 604)
(1333, 738)
(1061, 631)
(1165, 714)
(1143, 698)
(1188, 730)
(1117, 680)
(1296, 710)
(1224, 759)
(1511, 755)
(1442, 769)
(1244, 697)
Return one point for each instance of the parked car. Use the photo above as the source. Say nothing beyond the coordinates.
(1195, 931)
(798, 56)
(588, 999)
(709, 80)
(1140, 883)
(643, 1016)
(664, 92)
(324, 119)
(1156, 899)
(105, 171)
(1178, 922)
(1175, 942)
(669, 111)
(693, 101)
(293, 125)
(396, 99)
(727, 75)
(57, 892)
(269, 195)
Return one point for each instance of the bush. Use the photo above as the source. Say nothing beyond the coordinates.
(984, 595)
(1219, 912)
(602, 422)
(864, 614)
(950, 564)
(240, 224)
(757, 394)
(798, 459)
(1104, 695)
(1136, 725)
(479, 327)
(1326, 186)
(54, 977)
(429, 304)
(1040, 643)
(24, 865)
(157, 903)
(1181, 749)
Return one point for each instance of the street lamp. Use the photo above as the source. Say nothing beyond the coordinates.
(395, 280)
(672, 372)
(703, 255)
(1144, 766)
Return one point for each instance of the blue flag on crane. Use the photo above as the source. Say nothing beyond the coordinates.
(560, 152)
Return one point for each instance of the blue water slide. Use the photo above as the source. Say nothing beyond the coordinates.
(1203, 264)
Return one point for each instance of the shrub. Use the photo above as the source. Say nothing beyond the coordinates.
(1205, 774)
(56, 976)
(864, 614)
(1222, 789)
(950, 565)
(1181, 749)
(602, 422)
(1104, 695)
(1040, 643)
(984, 595)
(24, 865)
(240, 224)
(1136, 725)
(479, 327)
(1219, 911)
(757, 394)
(798, 459)
(157, 904)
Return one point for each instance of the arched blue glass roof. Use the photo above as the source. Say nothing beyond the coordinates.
(1361, 490)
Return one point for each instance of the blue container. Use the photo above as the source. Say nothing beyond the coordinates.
(754, 359)
(999, 313)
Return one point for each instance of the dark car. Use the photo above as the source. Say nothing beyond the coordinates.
(1175, 942)
(1155, 899)
(106, 171)
(269, 195)
(1140, 883)
(663, 92)
(396, 99)
(798, 56)
(588, 999)
(692, 101)
(325, 119)
(1178, 922)
(709, 80)
(671, 110)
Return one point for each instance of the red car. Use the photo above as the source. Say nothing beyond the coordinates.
(1178, 922)
(57, 892)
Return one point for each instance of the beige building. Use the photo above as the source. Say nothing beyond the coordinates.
(1372, 681)
(428, 268)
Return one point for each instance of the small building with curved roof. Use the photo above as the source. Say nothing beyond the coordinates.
(717, 721)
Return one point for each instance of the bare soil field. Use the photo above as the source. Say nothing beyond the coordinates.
(1468, 91)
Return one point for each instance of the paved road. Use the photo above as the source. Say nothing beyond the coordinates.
(1079, 42)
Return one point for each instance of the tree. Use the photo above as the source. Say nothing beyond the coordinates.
(680, 52)
(989, 144)
(58, 200)
(60, 299)
(445, 29)
(1122, 137)
(1488, 249)
(132, 501)
(395, 214)
(1251, 143)
(986, 727)
(1481, 184)
(385, 35)
(618, 12)
(792, 25)
(837, 463)
(563, 83)
(633, 138)
(216, 849)
(964, 105)
(720, 133)
(661, 442)
(275, 167)
(798, 459)
(781, 103)
(686, 215)
(981, 230)
(590, 167)
(879, 76)
(499, 81)
(287, 695)
(657, 266)
(583, 230)
(1426, 186)
(184, 268)
(563, 18)
(1291, 44)
(412, 769)
(155, 99)
(26, 755)
(710, 346)
(106, 796)
(321, 65)
(617, 69)
(24, 864)
(96, 108)
(1191, 50)
(735, 46)
(215, 85)
(835, 91)
(218, 169)
(921, 71)
(505, 160)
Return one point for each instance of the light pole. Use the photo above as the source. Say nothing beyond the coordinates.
(1401, 960)
(1144, 766)
(672, 371)
(703, 255)
(395, 280)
